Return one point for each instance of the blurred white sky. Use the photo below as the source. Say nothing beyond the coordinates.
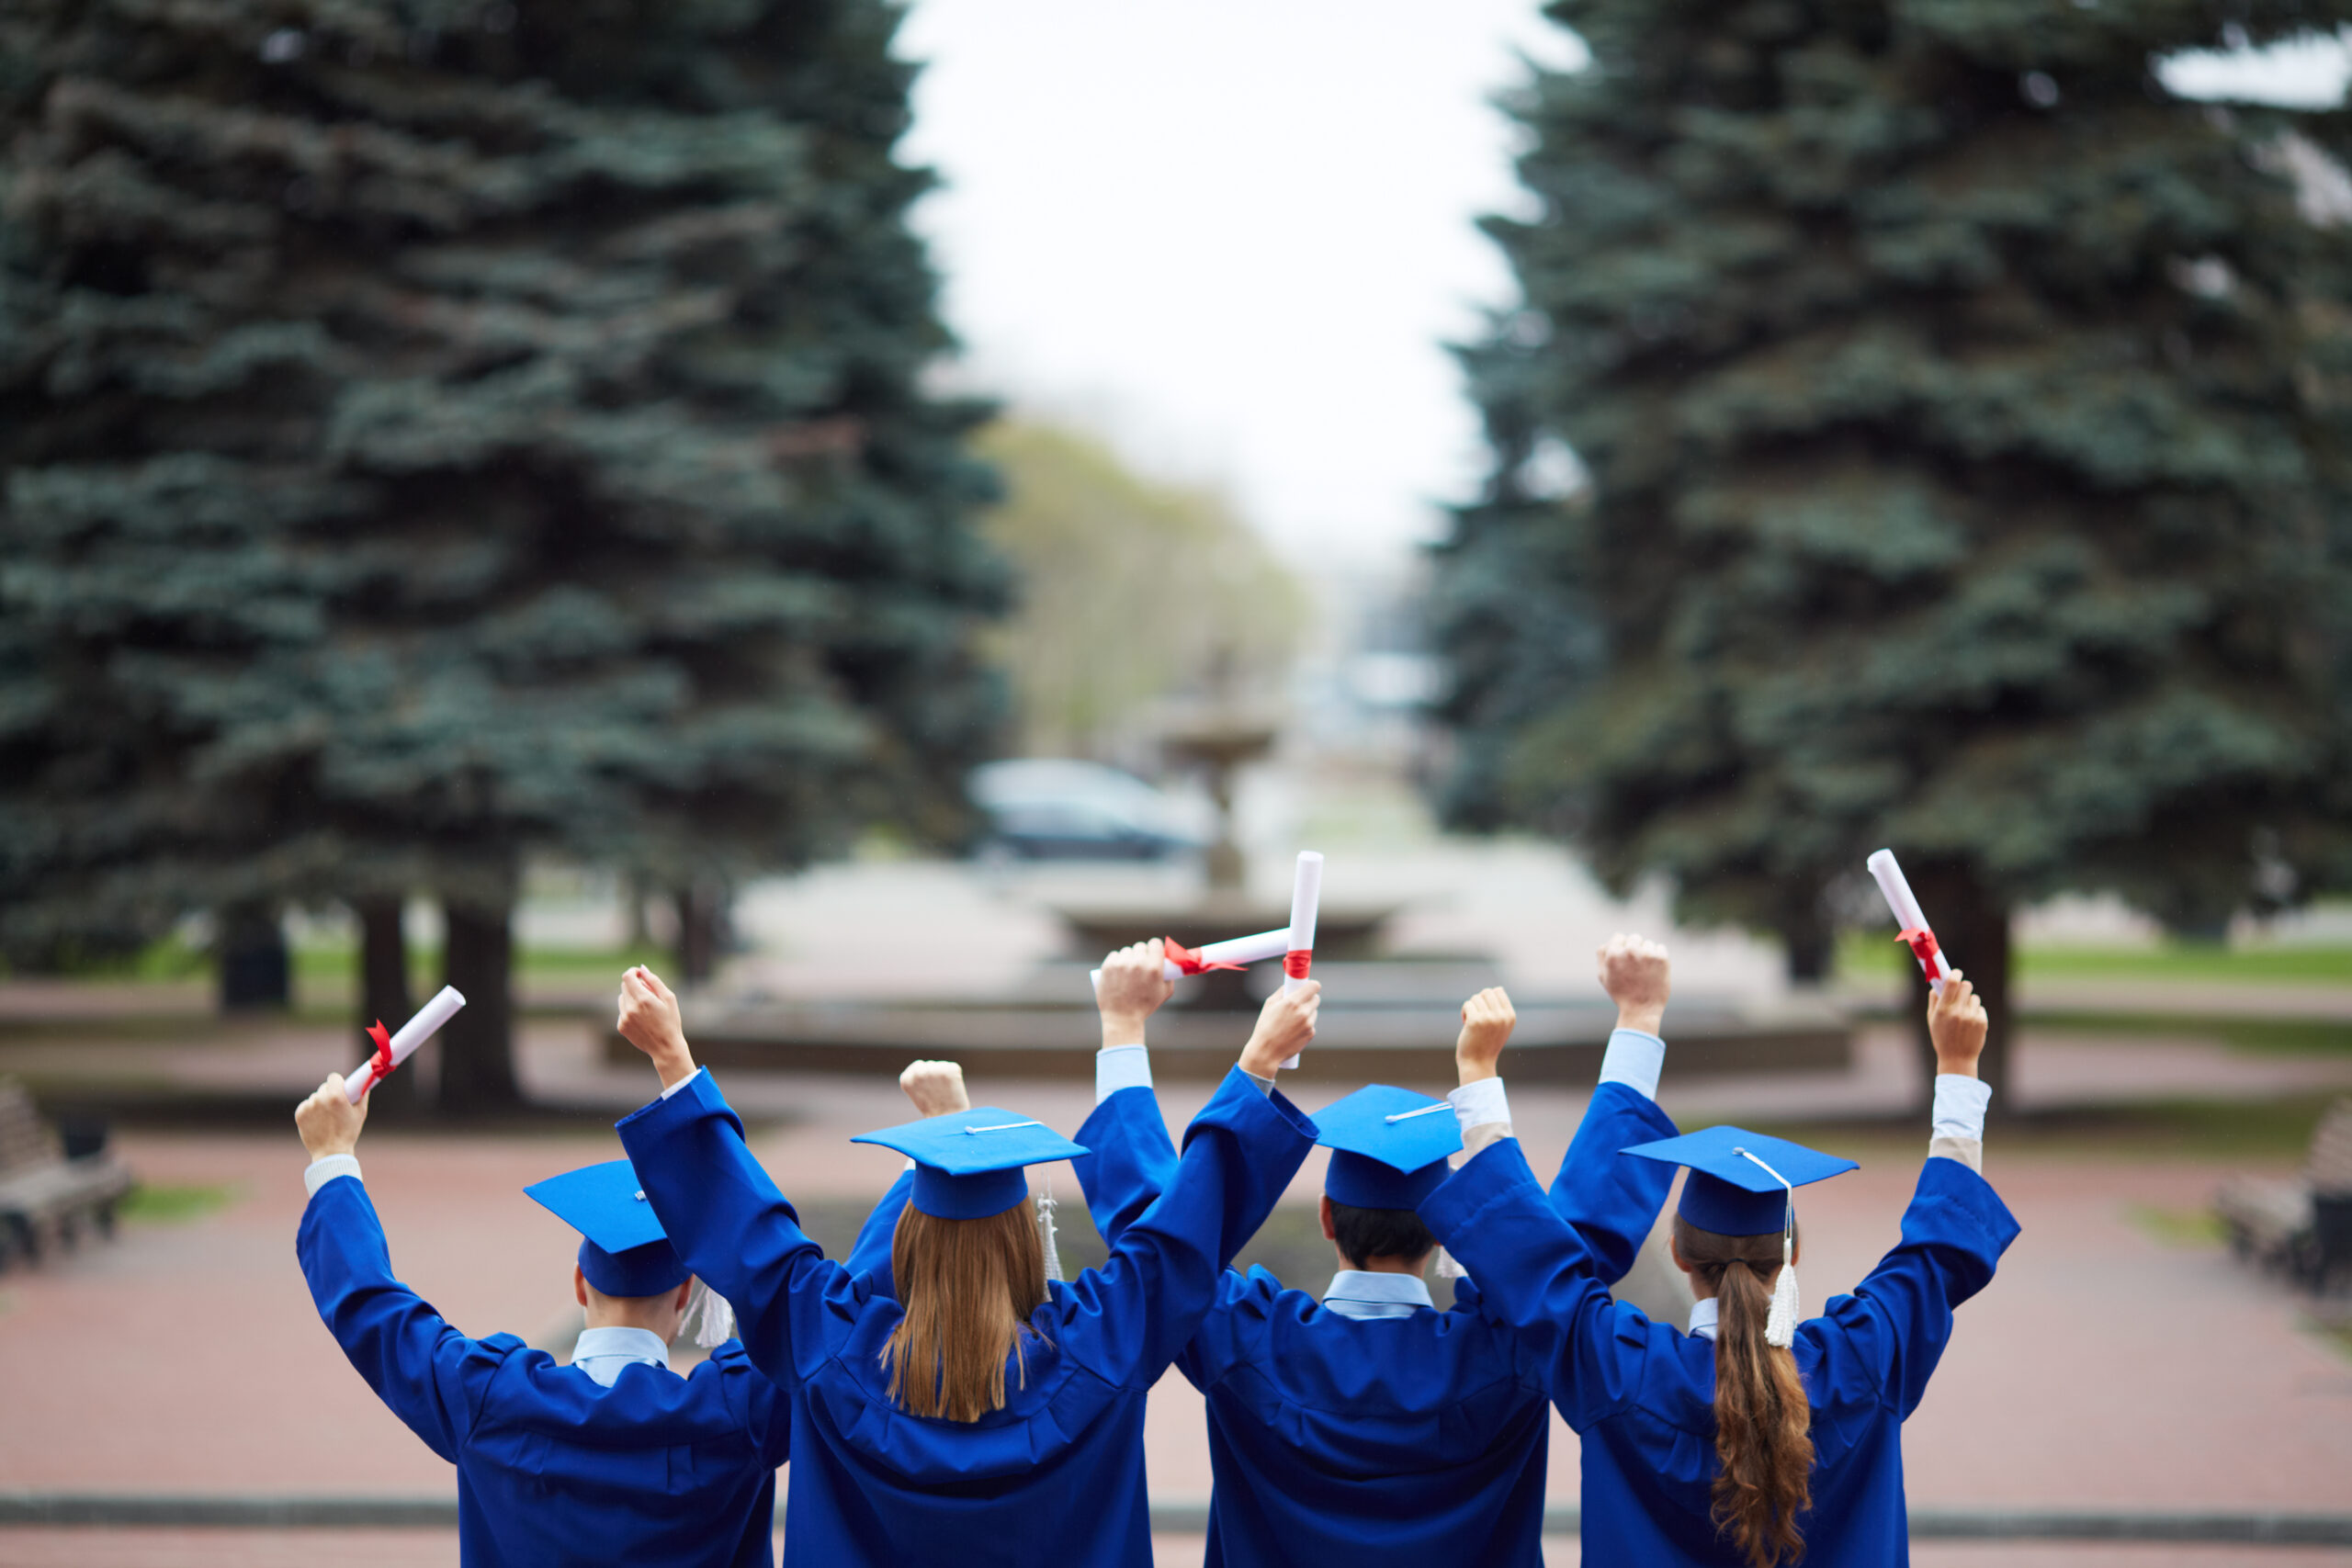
(1234, 235)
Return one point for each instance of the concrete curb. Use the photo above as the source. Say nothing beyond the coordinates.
(1186, 1515)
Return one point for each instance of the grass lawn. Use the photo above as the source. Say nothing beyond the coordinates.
(1864, 953)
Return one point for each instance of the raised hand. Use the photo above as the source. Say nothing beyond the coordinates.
(1487, 1020)
(649, 1020)
(328, 1122)
(1134, 982)
(1285, 1026)
(1635, 973)
(936, 1088)
(1956, 1024)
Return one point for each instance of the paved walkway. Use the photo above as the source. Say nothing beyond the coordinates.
(2104, 1367)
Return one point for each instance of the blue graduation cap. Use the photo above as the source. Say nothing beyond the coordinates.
(968, 1163)
(1389, 1146)
(623, 1249)
(1736, 1185)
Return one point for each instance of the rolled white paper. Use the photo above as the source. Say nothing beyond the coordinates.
(1238, 950)
(415, 1033)
(1306, 896)
(1908, 914)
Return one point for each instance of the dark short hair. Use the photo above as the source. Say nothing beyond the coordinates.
(1367, 1234)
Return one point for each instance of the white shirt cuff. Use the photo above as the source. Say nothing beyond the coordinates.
(1120, 1066)
(682, 1083)
(326, 1167)
(1477, 1104)
(1634, 1059)
(1959, 1106)
(1265, 1086)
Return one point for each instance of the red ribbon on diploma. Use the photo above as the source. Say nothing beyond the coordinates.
(382, 1060)
(1297, 961)
(1922, 944)
(1188, 959)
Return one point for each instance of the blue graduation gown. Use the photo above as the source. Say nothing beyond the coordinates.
(1057, 1476)
(553, 1468)
(1417, 1441)
(1642, 1395)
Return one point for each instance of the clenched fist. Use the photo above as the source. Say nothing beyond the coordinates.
(1956, 1024)
(1134, 982)
(328, 1122)
(1636, 975)
(1487, 1020)
(936, 1088)
(649, 1020)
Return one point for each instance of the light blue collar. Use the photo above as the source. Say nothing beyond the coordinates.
(1361, 1293)
(602, 1352)
(1703, 1318)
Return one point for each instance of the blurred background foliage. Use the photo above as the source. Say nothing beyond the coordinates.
(1131, 590)
(1918, 427)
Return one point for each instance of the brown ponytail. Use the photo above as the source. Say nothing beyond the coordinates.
(968, 1287)
(1763, 1420)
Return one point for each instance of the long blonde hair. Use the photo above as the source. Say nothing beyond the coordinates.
(1763, 1419)
(968, 1287)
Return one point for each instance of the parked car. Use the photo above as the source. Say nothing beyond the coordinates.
(1054, 808)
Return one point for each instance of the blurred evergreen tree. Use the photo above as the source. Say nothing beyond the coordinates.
(1920, 429)
(438, 430)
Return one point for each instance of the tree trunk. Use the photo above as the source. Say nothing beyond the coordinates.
(702, 922)
(478, 1045)
(255, 973)
(1808, 942)
(635, 889)
(1972, 926)
(384, 995)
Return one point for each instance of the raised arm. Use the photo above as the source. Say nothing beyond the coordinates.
(1130, 1318)
(424, 1371)
(1535, 1273)
(1133, 1161)
(725, 1217)
(1887, 1338)
(1612, 1201)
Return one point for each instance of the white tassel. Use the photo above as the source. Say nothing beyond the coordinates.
(709, 1319)
(1045, 1230)
(1780, 1323)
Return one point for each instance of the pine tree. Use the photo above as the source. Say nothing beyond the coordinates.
(445, 431)
(1965, 421)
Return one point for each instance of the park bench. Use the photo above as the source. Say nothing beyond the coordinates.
(2303, 1229)
(48, 1191)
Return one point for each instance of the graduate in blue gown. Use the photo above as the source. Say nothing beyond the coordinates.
(899, 1455)
(1374, 1428)
(613, 1458)
(1758, 1436)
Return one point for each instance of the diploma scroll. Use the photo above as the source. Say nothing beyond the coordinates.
(1237, 954)
(390, 1053)
(1305, 896)
(1915, 933)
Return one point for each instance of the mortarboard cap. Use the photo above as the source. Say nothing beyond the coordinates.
(1728, 1192)
(968, 1163)
(622, 1250)
(1389, 1146)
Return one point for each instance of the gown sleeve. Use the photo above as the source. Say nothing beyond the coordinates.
(734, 1229)
(1613, 1201)
(870, 1254)
(1536, 1273)
(430, 1375)
(1131, 1318)
(1130, 1161)
(1885, 1340)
